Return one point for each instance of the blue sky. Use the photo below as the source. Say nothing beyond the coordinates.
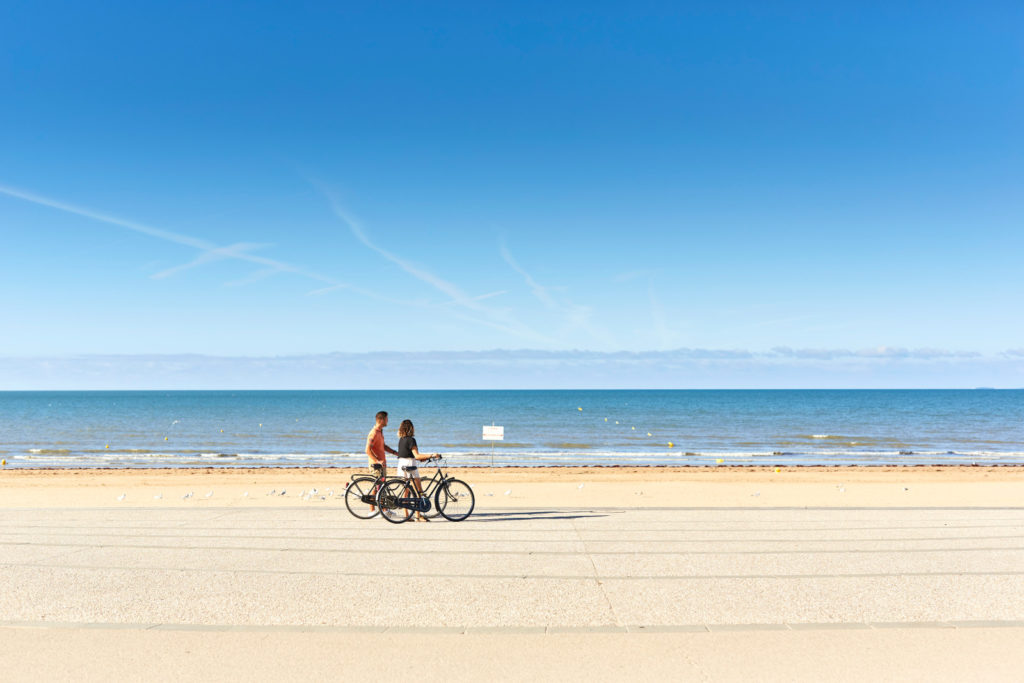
(841, 180)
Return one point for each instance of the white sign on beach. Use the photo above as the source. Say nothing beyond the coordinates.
(492, 433)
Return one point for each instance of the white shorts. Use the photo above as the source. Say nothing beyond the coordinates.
(408, 462)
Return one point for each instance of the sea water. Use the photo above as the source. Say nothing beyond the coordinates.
(541, 428)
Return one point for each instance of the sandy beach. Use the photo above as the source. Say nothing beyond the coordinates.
(925, 486)
(568, 573)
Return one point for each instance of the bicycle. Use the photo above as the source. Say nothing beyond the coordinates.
(361, 494)
(397, 498)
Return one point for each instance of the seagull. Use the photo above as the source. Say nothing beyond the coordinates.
(508, 492)
(312, 492)
(283, 492)
(580, 486)
(187, 495)
(209, 494)
(488, 494)
(302, 494)
(245, 495)
(122, 496)
(158, 496)
(272, 492)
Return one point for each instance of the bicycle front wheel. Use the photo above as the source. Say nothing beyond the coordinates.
(389, 498)
(360, 497)
(455, 500)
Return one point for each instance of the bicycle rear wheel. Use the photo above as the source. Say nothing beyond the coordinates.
(455, 500)
(388, 497)
(357, 492)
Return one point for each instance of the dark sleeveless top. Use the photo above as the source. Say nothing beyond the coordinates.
(405, 446)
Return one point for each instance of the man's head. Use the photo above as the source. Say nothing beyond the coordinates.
(382, 418)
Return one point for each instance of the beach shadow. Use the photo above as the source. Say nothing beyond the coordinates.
(534, 515)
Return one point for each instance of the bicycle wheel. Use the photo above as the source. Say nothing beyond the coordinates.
(455, 500)
(357, 493)
(387, 498)
(433, 512)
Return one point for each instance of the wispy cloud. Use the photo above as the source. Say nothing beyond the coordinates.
(536, 288)
(573, 315)
(481, 314)
(209, 251)
(210, 256)
(879, 352)
(525, 368)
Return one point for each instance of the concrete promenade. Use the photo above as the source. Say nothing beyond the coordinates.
(573, 593)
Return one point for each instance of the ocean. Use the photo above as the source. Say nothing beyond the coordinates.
(139, 429)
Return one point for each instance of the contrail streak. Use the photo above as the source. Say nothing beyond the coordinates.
(209, 251)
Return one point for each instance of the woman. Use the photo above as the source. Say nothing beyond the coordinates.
(408, 456)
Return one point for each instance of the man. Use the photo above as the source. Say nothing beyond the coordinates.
(376, 449)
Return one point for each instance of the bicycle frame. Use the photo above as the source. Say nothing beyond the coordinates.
(429, 489)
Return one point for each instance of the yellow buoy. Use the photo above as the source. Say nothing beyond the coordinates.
(606, 419)
(580, 409)
(719, 461)
(107, 446)
(633, 428)
(165, 438)
(222, 431)
(670, 444)
(648, 433)
(777, 469)
(3, 462)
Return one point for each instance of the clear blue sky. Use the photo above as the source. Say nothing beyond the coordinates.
(305, 178)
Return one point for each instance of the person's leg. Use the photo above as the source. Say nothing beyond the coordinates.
(419, 493)
(380, 472)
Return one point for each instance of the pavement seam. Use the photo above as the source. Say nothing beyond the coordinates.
(597, 580)
(798, 551)
(703, 528)
(549, 630)
(420, 539)
(506, 577)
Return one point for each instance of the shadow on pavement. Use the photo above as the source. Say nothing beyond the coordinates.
(534, 515)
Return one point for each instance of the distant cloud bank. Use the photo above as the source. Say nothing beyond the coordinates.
(684, 368)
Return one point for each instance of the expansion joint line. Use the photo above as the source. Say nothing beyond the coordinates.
(597, 576)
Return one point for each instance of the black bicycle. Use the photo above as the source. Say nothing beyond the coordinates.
(361, 493)
(453, 499)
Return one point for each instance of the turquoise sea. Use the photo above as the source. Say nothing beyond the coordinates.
(542, 428)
